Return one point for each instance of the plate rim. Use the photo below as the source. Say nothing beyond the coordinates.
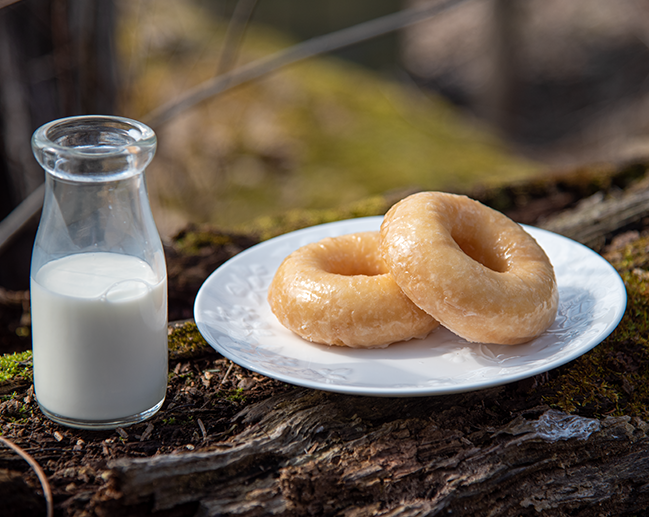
(379, 391)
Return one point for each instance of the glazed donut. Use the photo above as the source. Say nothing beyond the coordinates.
(339, 292)
(472, 268)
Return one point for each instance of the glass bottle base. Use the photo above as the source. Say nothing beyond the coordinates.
(99, 425)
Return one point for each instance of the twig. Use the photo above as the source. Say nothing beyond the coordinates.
(47, 490)
(234, 34)
(201, 425)
(5, 3)
(20, 217)
(226, 374)
(122, 433)
(310, 48)
(147, 432)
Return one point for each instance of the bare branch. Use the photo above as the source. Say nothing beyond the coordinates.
(234, 34)
(21, 216)
(5, 3)
(310, 48)
(47, 490)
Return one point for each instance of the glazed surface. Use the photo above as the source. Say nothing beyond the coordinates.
(472, 268)
(338, 291)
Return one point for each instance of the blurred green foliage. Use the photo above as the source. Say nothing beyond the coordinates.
(316, 135)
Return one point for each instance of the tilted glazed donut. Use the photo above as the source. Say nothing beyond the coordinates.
(472, 268)
(339, 292)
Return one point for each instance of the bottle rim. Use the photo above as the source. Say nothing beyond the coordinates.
(91, 148)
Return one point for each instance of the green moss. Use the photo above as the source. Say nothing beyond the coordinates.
(235, 396)
(194, 241)
(16, 365)
(291, 220)
(186, 342)
(613, 378)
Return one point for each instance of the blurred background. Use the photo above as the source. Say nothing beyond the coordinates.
(485, 92)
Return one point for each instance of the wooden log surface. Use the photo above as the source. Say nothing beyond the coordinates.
(228, 442)
(597, 218)
(315, 453)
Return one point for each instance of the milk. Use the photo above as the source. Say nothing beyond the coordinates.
(99, 326)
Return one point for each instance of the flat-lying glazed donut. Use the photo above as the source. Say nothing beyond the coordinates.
(472, 268)
(338, 292)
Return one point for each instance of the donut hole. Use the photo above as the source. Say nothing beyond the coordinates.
(485, 255)
(352, 265)
(353, 255)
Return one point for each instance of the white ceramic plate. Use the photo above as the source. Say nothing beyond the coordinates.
(233, 315)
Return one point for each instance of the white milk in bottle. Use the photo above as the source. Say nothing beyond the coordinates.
(98, 276)
(99, 336)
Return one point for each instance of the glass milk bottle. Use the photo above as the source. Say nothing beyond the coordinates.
(98, 276)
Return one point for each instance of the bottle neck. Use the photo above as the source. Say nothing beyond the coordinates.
(95, 194)
(110, 216)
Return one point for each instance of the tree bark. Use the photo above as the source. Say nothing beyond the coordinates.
(316, 453)
(596, 219)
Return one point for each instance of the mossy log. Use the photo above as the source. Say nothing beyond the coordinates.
(568, 442)
(599, 217)
(314, 453)
(571, 441)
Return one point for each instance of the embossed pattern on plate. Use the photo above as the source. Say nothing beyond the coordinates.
(233, 315)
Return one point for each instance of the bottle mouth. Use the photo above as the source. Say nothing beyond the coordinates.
(94, 148)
